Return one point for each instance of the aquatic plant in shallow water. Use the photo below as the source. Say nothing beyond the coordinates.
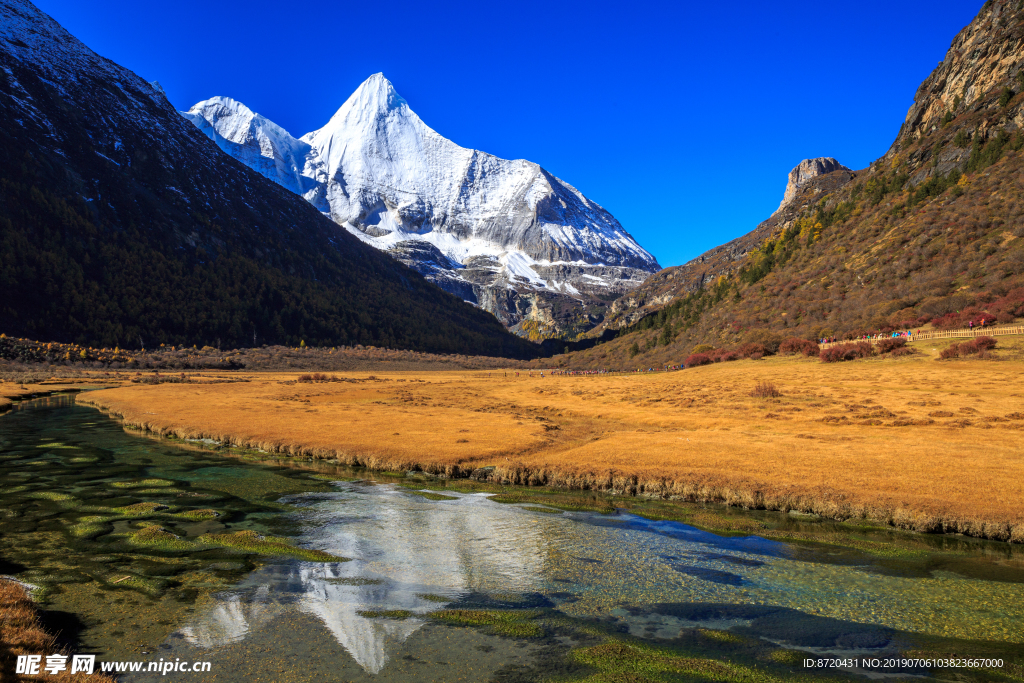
(514, 623)
(639, 662)
(145, 483)
(250, 541)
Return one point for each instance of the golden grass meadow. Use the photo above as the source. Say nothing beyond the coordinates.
(918, 443)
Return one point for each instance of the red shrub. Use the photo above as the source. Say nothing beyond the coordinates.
(891, 344)
(985, 343)
(729, 355)
(795, 345)
(851, 351)
(698, 359)
(750, 348)
(716, 355)
(979, 346)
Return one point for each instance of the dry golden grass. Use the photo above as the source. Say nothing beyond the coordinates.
(21, 634)
(921, 444)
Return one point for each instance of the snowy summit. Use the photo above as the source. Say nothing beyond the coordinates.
(506, 235)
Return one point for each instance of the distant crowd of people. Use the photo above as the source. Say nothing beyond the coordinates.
(908, 334)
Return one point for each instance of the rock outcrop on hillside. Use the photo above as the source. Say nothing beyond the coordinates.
(808, 184)
(805, 171)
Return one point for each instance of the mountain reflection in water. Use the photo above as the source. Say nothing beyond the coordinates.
(403, 547)
(412, 556)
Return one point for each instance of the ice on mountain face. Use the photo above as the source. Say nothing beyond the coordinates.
(378, 170)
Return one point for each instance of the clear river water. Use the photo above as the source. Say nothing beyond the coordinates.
(426, 579)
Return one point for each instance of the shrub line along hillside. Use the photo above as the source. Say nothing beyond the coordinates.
(34, 356)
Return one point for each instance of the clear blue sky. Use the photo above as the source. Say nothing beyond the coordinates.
(681, 118)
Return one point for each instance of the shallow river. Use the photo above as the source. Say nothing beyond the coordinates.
(69, 473)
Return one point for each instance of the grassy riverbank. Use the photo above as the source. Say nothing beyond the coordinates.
(913, 442)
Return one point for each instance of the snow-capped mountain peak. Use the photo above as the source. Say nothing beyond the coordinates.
(375, 96)
(490, 230)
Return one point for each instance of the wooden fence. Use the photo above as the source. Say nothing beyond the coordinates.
(946, 334)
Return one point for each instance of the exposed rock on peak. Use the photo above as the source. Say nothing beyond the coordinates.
(805, 171)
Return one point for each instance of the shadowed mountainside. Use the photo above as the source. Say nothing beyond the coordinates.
(122, 224)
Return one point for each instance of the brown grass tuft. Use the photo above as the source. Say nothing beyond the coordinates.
(22, 634)
(765, 390)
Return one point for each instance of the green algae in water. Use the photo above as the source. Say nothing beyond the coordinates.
(159, 538)
(139, 509)
(145, 483)
(429, 495)
(200, 515)
(51, 495)
(77, 540)
(516, 624)
(431, 597)
(637, 662)
(549, 511)
(252, 542)
(354, 581)
(385, 614)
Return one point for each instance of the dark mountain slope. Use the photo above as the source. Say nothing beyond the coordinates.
(122, 224)
(930, 232)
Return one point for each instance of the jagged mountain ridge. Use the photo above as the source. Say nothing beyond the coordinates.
(121, 224)
(931, 231)
(506, 235)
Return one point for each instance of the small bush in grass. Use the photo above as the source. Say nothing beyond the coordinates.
(765, 390)
(851, 351)
(749, 349)
(976, 347)
(795, 345)
(317, 377)
(985, 343)
(698, 359)
(890, 344)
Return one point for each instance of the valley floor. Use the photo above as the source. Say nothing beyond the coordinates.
(914, 442)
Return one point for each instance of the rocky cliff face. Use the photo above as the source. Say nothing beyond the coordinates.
(505, 235)
(984, 58)
(804, 172)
